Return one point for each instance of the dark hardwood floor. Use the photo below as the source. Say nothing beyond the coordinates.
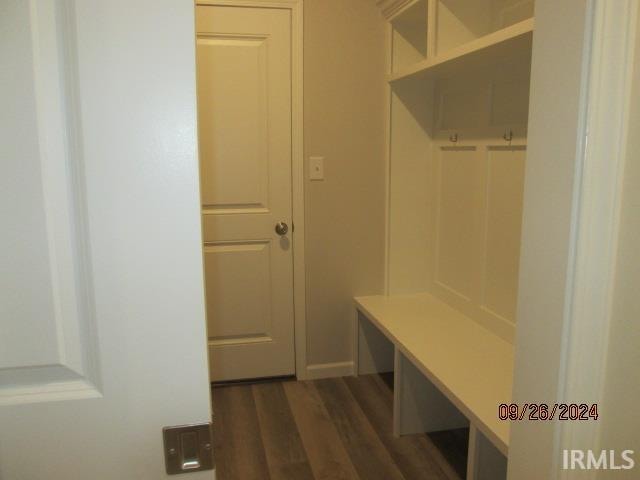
(331, 429)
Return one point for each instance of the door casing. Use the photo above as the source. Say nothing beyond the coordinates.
(297, 166)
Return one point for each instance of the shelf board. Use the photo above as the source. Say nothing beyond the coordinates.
(511, 42)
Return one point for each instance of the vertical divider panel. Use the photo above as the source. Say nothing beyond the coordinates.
(418, 405)
(373, 352)
(432, 22)
(397, 396)
(484, 461)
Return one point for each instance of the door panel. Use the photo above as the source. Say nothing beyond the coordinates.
(244, 112)
(234, 146)
(233, 269)
(505, 187)
(45, 344)
(457, 223)
(101, 302)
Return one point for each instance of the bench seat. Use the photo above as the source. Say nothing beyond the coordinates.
(470, 365)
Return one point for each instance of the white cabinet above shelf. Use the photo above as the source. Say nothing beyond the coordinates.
(503, 45)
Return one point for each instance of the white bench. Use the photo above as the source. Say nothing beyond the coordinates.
(449, 372)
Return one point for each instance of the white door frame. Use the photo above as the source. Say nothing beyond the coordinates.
(297, 166)
(571, 221)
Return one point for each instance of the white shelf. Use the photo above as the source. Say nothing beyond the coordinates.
(469, 364)
(510, 42)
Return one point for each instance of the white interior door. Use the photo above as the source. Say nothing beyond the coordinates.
(102, 324)
(244, 114)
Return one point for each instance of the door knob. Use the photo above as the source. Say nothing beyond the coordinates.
(282, 228)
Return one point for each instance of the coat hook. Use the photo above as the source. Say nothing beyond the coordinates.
(508, 135)
(453, 137)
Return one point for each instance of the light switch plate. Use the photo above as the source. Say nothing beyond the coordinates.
(316, 168)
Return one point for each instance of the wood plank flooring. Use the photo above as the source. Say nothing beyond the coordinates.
(330, 429)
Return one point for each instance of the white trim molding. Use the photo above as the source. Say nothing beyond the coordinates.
(297, 172)
(297, 179)
(388, 32)
(330, 370)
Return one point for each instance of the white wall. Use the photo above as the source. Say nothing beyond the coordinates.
(344, 122)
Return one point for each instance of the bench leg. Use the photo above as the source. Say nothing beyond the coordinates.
(373, 352)
(418, 406)
(484, 462)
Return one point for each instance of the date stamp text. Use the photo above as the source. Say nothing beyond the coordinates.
(546, 412)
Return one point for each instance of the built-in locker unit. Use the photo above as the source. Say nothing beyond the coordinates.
(457, 134)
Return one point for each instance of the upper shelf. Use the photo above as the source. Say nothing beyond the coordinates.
(510, 42)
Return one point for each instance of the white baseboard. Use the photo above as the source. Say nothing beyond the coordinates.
(329, 370)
